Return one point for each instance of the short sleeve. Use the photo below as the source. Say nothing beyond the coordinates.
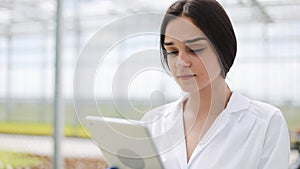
(276, 149)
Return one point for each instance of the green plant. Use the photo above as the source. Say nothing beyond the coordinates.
(9, 159)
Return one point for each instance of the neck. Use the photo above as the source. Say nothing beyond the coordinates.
(209, 100)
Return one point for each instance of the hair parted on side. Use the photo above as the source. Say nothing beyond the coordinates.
(211, 18)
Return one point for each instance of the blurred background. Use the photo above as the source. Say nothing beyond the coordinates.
(267, 68)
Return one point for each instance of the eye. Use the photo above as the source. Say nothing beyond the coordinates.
(195, 51)
(172, 53)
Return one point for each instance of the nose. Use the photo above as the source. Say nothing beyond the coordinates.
(183, 60)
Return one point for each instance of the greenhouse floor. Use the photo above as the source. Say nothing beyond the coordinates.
(43, 145)
(71, 147)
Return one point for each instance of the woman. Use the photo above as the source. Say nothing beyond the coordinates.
(212, 127)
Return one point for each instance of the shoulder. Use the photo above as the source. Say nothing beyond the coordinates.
(263, 110)
(243, 105)
(275, 139)
(264, 120)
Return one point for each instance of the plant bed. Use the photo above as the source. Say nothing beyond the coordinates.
(73, 163)
(17, 160)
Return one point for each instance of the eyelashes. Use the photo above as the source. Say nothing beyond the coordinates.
(191, 51)
(197, 50)
(172, 53)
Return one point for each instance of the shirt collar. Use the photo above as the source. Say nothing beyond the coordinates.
(237, 102)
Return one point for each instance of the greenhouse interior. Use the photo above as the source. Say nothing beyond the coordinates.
(47, 86)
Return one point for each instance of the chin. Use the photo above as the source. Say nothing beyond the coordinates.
(194, 88)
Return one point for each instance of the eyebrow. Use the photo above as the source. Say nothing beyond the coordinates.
(187, 41)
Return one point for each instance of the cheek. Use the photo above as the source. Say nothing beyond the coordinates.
(172, 64)
(207, 68)
(211, 66)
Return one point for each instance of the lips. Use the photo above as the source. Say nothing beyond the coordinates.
(186, 77)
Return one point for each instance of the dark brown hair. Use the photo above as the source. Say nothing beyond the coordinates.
(210, 17)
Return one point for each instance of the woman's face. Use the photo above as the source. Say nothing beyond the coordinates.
(191, 58)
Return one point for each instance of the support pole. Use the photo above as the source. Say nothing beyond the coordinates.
(8, 100)
(58, 100)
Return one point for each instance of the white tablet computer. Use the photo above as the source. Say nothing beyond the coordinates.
(124, 143)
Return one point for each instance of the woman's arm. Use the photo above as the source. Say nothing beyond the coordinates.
(276, 148)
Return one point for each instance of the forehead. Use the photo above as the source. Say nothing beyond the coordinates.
(182, 28)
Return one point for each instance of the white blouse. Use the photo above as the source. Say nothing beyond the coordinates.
(248, 134)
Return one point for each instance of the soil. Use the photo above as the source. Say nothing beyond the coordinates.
(73, 163)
